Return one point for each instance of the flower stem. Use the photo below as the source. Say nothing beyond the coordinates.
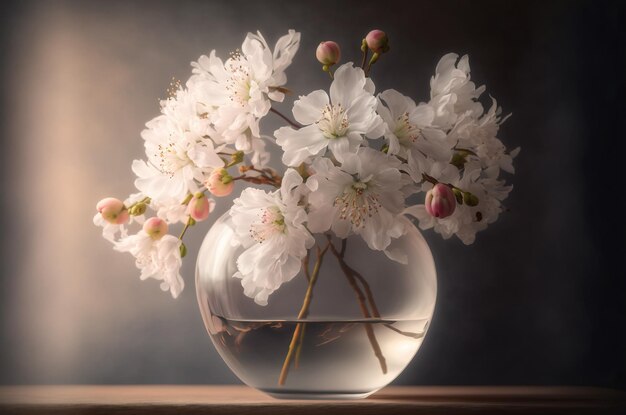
(349, 273)
(284, 117)
(267, 176)
(296, 363)
(305, 266)
(364, 58)
(370, 296)
(187, 225)
(145, 200)
(368, 292)
(304, 311)
(434, 181)
(414, 335)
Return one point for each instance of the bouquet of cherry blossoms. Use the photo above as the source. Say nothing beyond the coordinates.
(352, 159)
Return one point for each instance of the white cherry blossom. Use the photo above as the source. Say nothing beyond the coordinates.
(177, 160)
(171, 210)
(350, 188)
(364, 196)
(184, 109)
(337, 122)
(410, 133)
(452, 91)
(237, 92)
(270, 227)
(159, 259)
(479, 135)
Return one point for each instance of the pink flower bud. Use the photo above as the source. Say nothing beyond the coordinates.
(377, 41)
(220, 183)
(155, 227)
(328, 53)
(113, 210)
(440, 201)
(199, 207)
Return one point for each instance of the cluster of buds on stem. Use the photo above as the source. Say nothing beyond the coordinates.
(235, 158)
(328, 52)
(138, 208)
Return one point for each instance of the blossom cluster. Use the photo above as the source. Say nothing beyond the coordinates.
(354, 158)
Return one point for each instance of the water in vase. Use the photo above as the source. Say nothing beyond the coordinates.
(328, 357)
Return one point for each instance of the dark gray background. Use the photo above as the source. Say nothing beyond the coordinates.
(538, 299)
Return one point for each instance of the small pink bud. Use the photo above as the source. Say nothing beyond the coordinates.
(328, 53)
(113, 210)
(155, 227)
(377, 41)
(199, 207)
(440, 201)
(220, 183)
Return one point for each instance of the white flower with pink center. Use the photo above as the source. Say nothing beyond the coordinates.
(364, 196)
(479, 135)
(238, 92)
(409, 129)
(177, 160)
(337, 122)
(452, 92)
(270, 227)
(156, 258)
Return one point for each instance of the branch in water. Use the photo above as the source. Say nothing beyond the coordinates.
(304, 311)
(362, 304)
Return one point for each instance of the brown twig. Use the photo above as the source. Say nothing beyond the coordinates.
(265, 177)
(344, 245)
(370, 295)
(362, 305)
(305, 266)
(368, 292)
(304, 311)
(284, 117)
(368, 69)
(296, 363)
(405, 333)
(307, 274)
(358, 276)
(430, 179)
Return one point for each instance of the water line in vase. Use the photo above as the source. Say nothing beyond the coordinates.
(369, 294)
(365, 298)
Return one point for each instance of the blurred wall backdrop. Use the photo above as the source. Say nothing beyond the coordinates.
(538, 299)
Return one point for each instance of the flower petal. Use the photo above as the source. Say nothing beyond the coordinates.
(308, 109)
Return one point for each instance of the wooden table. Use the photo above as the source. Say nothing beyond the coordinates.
(183, 400)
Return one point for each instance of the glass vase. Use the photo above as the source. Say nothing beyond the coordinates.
(345, 326)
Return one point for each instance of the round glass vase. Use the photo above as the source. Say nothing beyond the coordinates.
(344, 327)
